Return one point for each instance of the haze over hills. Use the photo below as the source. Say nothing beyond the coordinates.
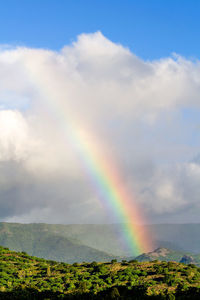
(43, 241)
(183, 236)
(89, 242)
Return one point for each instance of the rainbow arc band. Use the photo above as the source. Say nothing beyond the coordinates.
(103, 175)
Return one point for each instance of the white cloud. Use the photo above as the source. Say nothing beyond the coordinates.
(134, 108)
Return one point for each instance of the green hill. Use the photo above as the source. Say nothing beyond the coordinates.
(92, 241)
(25, 237)
(39, 240)
(27, 277)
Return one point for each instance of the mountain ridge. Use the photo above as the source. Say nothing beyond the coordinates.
(107, 239)
(165, 254)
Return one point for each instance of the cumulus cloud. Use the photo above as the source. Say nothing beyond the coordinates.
(140, 113)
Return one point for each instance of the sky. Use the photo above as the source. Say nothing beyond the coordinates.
(151, 29)
(127, 73)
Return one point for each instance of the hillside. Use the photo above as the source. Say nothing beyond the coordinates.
(26, 237)
(27, 277)
(164, 254)
(37, 240)
(89, 242)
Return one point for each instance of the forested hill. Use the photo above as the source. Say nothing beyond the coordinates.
(87, 242)
(46, 241)
(26, 277)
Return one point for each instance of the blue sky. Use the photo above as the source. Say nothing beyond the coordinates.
(151, 29)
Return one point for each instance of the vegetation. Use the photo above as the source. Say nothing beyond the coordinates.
(33, 238)
(88, 242)
(27, 277)
(48, 241)
(164, 254)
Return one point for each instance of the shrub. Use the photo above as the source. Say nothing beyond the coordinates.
(133, 261)
(113, 261)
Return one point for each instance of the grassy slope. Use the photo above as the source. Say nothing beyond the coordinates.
(26, 277)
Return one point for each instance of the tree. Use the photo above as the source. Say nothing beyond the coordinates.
(113, 261)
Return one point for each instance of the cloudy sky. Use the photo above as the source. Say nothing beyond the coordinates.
(120, 73)
(145, 114)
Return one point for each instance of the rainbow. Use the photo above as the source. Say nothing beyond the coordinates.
(104, 176)
(111, 190)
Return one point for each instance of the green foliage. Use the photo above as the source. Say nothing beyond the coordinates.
(27, 277)
(133, 261)
(113, 261)
(53, 242)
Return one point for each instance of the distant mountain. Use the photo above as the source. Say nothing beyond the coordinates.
(187, 259)
(110, 237)
(185, 237)
(106, 238)
(167, 244)
(164, 254)
(88, 242)
(161, 254)
(38, 240)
